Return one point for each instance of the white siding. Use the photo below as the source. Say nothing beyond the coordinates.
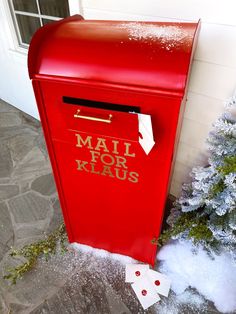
(211, 11)
(15, 85)
(213, 76)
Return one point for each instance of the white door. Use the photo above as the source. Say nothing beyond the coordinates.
(19, 19)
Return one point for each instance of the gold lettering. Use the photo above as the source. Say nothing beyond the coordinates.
(121, 161)
(107, 156)
(101, 144)
(85, 142)
(107, 171)
(81, 165)
(100, 154)
(127, 153)
(93, 170)
(133, 177)
(118, 174)
(115, 143)
(94, 155)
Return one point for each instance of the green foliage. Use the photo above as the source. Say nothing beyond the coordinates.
(200, 232)
(217, 188)
(194, 226)
(33, 251)
(229, 165)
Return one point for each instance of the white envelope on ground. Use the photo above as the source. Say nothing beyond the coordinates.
(145, 292)
(135, 271)
(161, 283)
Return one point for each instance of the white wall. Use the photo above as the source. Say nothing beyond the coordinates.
(213, 77)
(15, 86)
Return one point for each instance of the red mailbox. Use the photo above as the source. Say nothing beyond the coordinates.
(92, 81)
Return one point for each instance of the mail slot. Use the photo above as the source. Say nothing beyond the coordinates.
(111, 96)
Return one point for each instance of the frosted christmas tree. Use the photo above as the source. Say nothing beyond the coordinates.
(206, 209)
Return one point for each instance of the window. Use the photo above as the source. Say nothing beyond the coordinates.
(29, 15)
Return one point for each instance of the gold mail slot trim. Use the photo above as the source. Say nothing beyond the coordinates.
(78, 115)
(104, 161)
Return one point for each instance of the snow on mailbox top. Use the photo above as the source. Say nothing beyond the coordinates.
(147, 55)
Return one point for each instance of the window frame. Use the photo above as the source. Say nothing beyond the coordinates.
(20, 46)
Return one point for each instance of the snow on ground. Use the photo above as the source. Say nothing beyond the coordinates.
(214, 278)
(189, 301)
(123, 259)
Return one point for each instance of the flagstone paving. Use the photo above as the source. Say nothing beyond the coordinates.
(74, 282)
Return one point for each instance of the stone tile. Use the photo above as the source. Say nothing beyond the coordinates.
(6, 180)
(29, 120)
(33, 158)
(24, 185)
(7, 191)
(41, 309)
(55, 305)
(33, 163)
(42, 283)
(5, 107)
(57, 217)
(20, 145)
(45, 184)
(30, 231)
(4, 248)
(10, 132)
(6, 164)
(40, 142)
(114, 273)
(90, 294)
(115, 303)
(88, 290)
(29, 207)
(16, 308)
(3, 307)
(9, 119)
(54, 198)
(6, 230)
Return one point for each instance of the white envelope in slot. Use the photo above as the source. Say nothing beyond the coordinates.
(146, 134)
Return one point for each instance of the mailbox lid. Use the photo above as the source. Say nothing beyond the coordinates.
(150, 55)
